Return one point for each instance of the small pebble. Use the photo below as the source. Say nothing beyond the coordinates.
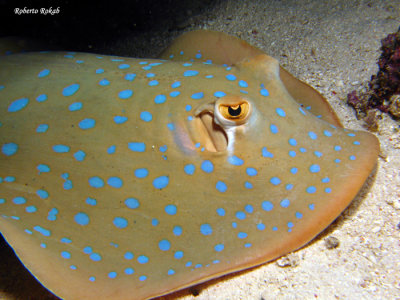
(331, 242)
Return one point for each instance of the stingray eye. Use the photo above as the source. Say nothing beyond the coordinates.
(234, 112)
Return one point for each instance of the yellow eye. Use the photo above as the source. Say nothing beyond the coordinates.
(234, 111)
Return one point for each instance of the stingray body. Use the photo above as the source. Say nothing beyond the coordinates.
(127, 178)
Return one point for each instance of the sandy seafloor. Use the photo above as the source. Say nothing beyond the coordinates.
(334, 47)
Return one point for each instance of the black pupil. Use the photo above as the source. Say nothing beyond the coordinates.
(234, 112)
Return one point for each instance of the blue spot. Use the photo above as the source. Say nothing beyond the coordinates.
(9, 149)
(198, 55)
(99, 71)
(221, 212)
(190, 73)
(248, 185)
(189, 169)
(325, 180)
(42, 128)
(234, 224)
(187, 64)
(275, 228)
(188, 107)
(285, 203)
(251, 171)
(280, 112)
(289, 187)
(312, 135)
(66, 240)
(75, 106)
(205, 229)
(317, 153)
(146, 116)
(273, 128)
(70, 90)
(236, 161)
(9, 179)
(177, 230)
(292, 142)
(73, 267)
(95, 257)
(170, 209)
(175, 93)
(132, 203)
(42, 194)
(18, 104)
(197, 96)
(129, 271)
(356, 143)
(178, 254)
(104, 82)
(243, 83)
(207, 166)
(293, 170)
(264, 92)
(240, 215)
(352, 157)
(209, 76)
(143, 278)
(42, 230)
(141, 173)
(120, 222)
(328, 190)
(44, 73)
(290, 224)
(315, 168)
(351, 134)
(337, 148)
(111, 149)
(327, 133)
(153, 83)
(164, 245)
(19, 200)
(41, 98)
(311, 206)
(61, 148)
(137, 147)
(160, 99)
(115, 182)
(242, 235)
(31, 209)
(275, 180)
(52, 215)
(128, 255)
(266, 153)
(96, 182)
(120, 119)
(130, 76)
(87, 124)
(302, 150)
(82, 219)
(66, 254)
(79, 155)
(260, 226)
(87, 250)
(92, 278)
(221, 186)
(311, 189)
(161, 182)
(299, 215)
(176, 84)
(154, 222)
(171, 272)
(125, 94)
(112, 275)
(123, 66)
(91, 201)
(219, 94)
(249, 208)
(230, 77)
(219, 247)
(267, 206)
(292, 153)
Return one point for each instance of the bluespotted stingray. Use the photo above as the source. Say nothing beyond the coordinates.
(127, 178)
